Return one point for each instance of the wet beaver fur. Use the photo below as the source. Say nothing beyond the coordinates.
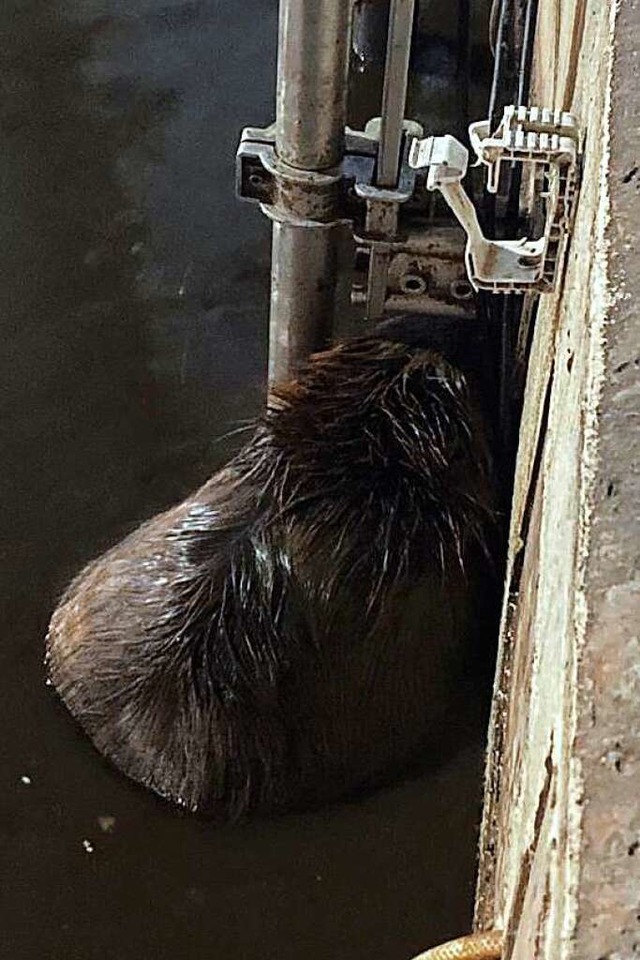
(296, 628)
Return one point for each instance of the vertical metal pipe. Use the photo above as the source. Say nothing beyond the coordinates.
(394, 95)
(310, 262)
(313, 59)
(309, 283)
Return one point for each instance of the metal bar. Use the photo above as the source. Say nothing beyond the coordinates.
(310, 283)
(524, 83)
(394, 95)
(308, 259)
(313, 59)
(502, 86)
(377, 286)
(526, 58)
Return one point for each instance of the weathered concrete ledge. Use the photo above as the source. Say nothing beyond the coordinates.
(560, 847)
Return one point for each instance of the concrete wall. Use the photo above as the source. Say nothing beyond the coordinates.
(560, 851)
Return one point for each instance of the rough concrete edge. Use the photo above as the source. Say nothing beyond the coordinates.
(602, 299)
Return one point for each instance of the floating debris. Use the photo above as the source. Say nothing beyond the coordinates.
(88, 846)
(26, 780)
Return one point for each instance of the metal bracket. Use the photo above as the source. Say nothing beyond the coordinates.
(298, 195)
(403, 268)
(321, 196)
(394, 268)
(545, 140)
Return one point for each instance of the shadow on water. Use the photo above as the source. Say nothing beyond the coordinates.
(133, 301)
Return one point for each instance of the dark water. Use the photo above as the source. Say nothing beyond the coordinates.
(133, 291)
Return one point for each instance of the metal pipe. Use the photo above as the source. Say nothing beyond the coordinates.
(309, 259)
(394, 95)
(310, 282)
(313, 60)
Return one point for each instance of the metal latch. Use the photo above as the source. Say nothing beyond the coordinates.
(547, 142)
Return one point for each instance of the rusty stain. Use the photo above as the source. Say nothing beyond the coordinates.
(526, 863)
(543, 917)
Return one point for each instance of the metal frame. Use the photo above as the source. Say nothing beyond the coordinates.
(341, 199)
(297, 170)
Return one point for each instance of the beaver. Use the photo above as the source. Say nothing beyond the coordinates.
(298, 626)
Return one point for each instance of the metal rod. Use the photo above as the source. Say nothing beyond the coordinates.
(501, 86)
(394, 95)
(524, 82)
(310, 282)
(313, 60)
(502, 92)
(308, 260)
(526, 57)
